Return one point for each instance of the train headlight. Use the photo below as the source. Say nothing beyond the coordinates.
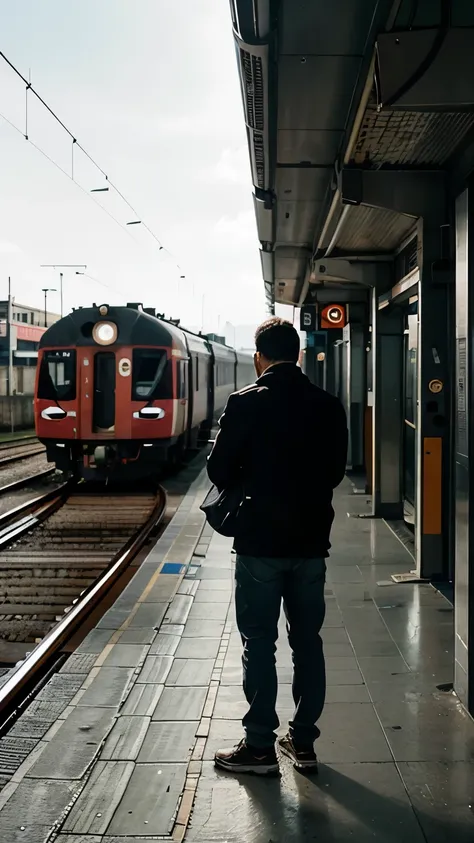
(104, 333)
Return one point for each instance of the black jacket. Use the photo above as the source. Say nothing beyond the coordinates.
(287, 441)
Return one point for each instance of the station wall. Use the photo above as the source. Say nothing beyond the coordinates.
(23, 380)
(16, 412)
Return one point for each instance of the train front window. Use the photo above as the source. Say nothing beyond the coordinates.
(57, 376)
(152, 374)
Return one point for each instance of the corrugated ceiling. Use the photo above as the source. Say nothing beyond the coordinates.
(300, 93)
(368, 230)
(401, 138)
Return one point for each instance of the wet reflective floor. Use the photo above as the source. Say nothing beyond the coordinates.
(118, 746)
(396, 752)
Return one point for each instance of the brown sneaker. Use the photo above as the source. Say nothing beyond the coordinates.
(304, 758)
(245, 759)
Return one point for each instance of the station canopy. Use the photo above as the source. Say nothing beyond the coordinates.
(341, 101)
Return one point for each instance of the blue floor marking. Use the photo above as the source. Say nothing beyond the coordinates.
(172, 568)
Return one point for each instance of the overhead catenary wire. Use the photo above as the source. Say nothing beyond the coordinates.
(102, 283)
(75, 143)
(62, 170)
(65, 173)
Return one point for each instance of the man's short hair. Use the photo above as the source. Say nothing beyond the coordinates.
(278, 340)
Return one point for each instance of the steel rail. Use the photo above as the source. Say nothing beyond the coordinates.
(24, 456)
(6, 444)
(37, 508)
(27, 670)
(25, 481)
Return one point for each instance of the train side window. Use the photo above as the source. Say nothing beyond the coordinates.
(196, 360)
(57, 376)
(151, 374)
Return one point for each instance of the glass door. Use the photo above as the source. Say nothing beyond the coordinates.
(410, 412)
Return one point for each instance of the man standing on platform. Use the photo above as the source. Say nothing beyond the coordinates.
(285, 440)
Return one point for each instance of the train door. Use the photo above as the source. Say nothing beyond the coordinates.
(210, 389)
(184, 395)
(104, 391)
(210, 365)
(410, 413)
(186, 377)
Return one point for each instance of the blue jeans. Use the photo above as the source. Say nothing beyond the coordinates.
(261, 586)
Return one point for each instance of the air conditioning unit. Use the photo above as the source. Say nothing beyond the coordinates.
(253, 71)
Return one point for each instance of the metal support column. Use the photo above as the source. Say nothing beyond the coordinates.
(464, 486)
(433, 411)
(333, 363)
(353, 364)
(387, 379)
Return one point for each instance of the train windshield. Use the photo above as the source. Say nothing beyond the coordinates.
(57, 375)
(152, 377)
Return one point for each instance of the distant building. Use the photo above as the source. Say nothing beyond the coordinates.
(21, 328)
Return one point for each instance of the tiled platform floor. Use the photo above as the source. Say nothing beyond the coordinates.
(397, 755)
(156, 689)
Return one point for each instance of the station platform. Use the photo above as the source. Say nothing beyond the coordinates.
(118, 746)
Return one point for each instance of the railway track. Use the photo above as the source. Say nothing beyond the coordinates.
(13, 450)
(52, 577)
(17, 440)
(27, 515)
(25, 481)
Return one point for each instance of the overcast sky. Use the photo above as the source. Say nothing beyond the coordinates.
(150, 89)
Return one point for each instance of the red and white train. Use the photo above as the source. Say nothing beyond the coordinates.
(120, 392)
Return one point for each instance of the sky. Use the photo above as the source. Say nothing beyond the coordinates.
(150, 89)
